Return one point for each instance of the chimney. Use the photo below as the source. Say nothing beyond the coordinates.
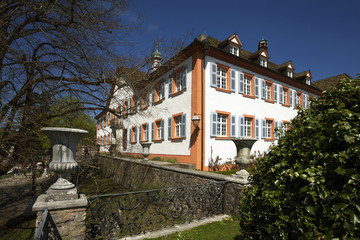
(201, 37)
(263, 44)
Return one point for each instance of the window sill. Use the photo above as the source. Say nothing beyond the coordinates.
(158, 141)
(177, 93)
(249, 96)
(269, 101)
(158, 102)
(222, 138)
(223, 90)
(143, 108)
(269, 139)
(144, 141)
(286, 105)
(133, 142)
(177, 139)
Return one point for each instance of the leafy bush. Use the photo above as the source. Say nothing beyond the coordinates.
(307, 187)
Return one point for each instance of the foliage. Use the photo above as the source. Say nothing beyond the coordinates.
(171, 160)
(73, 119)
(224, 230)
(307, 187)
(216, 165)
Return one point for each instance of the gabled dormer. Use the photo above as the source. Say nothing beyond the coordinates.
(304, 77)
(287, 69)
(231, 45)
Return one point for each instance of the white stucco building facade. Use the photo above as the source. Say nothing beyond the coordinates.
(235, 93)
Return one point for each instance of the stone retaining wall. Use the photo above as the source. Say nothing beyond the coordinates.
(135, 175)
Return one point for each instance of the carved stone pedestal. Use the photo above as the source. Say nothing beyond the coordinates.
(66, 207)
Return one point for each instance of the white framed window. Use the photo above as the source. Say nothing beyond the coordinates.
(247, 85)
(221, 78)
(268, 129)
(268, 91)
(178, 81)
(221, 125)
(158, 130)
(290, 73)
(298, 99)
(234, 50)
(263, 62)
(285, 96)
(177, 121)
(248, 127)
(308, 81)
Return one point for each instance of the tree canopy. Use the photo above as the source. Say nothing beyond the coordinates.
(50, 49)
(308, 186)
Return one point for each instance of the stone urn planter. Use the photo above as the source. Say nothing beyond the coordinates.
(146, 149)
(243, 148)
(64, 142)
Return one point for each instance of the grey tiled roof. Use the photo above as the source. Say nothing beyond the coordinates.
(330, 82)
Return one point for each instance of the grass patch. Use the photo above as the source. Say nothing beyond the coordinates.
(228, 173)
(23, 230)
(6, 176)
(224, 230)
(100, 184)
(171, 160)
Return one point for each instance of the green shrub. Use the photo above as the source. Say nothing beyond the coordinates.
(307, 187)
(156, 159)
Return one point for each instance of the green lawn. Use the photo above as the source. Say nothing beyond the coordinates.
(224, 230)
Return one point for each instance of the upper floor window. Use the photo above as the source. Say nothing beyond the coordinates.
(308, 81)
(268, 90)
(177, 81)
(289, 73)
(284, 96)
(298, 99)
(247, 85)
(234, 50)
(158, 93)
(222, 78)
(263, 62)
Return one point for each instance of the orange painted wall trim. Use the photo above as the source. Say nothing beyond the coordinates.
(197, 135)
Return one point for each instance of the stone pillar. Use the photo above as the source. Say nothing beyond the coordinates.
(69, 216)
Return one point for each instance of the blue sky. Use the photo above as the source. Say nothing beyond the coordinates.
(320, 35)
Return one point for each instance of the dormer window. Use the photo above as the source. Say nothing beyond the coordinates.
(308, 81)
(234, 50)
(290, 74)
(263, 62)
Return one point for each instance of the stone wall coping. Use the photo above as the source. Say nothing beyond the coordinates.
(171, 167)
(41, 203)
